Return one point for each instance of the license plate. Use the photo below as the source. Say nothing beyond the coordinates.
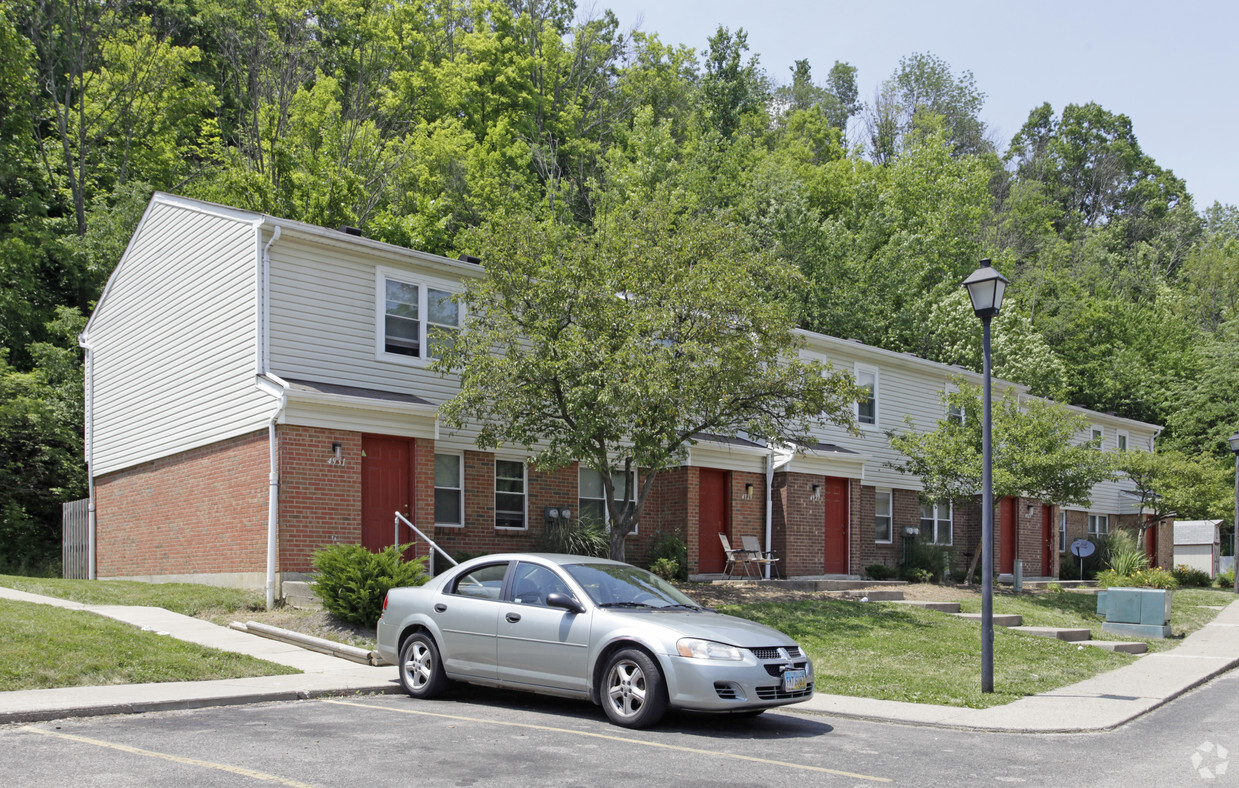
(795, 680)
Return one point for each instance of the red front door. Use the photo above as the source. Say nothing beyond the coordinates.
(836, 546)
(386, 488)
(713, 519)
(1048, 541)
(1007, 535)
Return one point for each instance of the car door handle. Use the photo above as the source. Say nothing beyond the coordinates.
(513, 617)
(440, 607)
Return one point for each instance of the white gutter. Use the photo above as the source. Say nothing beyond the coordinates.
(271, 384)
(784, 457)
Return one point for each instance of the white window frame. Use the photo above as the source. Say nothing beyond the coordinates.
(937, 518)
(958, 416)
(524, 493)
(1062, 532)
(606, 512)
(877, 396)
(1122, 440)
(1095, 431)
(890, 515)
(423, 285)
(460, 459)
(1096, 522)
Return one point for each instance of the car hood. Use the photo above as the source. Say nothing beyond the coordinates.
(710, 626)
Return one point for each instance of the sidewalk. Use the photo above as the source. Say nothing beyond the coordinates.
(1099, 703)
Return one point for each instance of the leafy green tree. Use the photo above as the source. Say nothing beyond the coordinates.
(1036, 451)
(923, 87)
(40, 445)
(620, 348)
(1169, 484)
(731, 88)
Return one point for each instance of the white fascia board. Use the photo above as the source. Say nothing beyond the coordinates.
(828, 463)
(426, 410)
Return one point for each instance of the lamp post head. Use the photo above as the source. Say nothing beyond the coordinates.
(1234, 443)
(986, 287)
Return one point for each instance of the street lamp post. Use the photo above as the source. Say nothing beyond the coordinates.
(986, 287)
(1234, 446)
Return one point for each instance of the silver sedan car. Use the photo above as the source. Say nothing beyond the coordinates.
(586, 628)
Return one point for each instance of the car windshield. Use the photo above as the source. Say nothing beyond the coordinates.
(621, 585)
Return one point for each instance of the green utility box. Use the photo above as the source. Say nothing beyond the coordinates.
(1135, 612)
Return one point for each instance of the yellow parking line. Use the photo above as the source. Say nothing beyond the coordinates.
(660, 745)
(223, 767)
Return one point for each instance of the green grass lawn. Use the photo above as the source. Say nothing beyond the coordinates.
(47, 646)
(898, 652)
(185, 598)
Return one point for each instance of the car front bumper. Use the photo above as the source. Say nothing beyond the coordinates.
(718, 685)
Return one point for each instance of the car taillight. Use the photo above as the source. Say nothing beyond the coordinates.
(385, 602)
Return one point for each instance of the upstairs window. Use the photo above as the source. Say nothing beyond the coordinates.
(867, 405)
(1098, 436)
(417, 320)
(1121, 439)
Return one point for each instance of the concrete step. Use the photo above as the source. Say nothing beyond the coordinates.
(1115, 645)
(298, 594)
(830, 583)
(941, 607)
(1000, 620)
(873, 596)
(1069, 635)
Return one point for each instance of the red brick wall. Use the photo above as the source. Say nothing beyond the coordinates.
(799, 523)
(200, 511)
(320, 503)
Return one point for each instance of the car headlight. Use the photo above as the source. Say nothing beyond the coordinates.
(707, 649)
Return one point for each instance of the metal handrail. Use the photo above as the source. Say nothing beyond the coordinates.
(427, 539)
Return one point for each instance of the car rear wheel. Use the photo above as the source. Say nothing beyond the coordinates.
(633, 693)
(421, 670)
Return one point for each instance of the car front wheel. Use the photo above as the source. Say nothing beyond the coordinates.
(633, 692)
(421, 670)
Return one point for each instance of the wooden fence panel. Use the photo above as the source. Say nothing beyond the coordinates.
(75, 536)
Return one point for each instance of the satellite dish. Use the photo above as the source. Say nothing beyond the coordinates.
(1083, 548)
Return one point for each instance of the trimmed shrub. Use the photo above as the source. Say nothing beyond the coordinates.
(352, 581)
(666, 568)
(1190, 577)
(670, 547)
(879, 572)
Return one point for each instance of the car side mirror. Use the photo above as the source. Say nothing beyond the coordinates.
(565, 601)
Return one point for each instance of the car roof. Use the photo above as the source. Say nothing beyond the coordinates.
(561, 559)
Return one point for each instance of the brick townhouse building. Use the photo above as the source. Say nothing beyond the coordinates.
(258, 388)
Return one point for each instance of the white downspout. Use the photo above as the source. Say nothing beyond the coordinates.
(89, 439)
(281, 394)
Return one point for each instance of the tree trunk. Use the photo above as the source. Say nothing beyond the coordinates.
(972, 565)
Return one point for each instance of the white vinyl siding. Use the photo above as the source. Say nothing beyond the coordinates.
(175, 338)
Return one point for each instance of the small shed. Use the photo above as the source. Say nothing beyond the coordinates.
(1197, 543)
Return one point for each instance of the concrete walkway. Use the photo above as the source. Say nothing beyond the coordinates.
(1099, 703)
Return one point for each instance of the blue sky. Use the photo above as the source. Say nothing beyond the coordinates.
(1170, 67)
